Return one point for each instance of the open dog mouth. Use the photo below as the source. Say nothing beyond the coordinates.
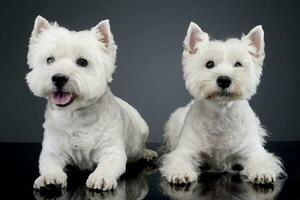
(221, 93)
(224, 93)
(61, 98)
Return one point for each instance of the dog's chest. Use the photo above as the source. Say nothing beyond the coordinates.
(82, 147)
(224, 131)
(82, 136)
(84, 139)
(81, 132)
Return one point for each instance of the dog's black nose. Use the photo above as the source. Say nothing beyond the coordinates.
(59, 80)
(224, 81)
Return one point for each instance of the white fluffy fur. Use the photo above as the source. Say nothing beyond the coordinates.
(215, 129)
(97, 129)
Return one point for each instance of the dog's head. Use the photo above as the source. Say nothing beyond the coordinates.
(70, 68)
(222, 70)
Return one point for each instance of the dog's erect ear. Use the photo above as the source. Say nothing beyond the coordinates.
(104, 34)
(255, 39)
(40, 25)
(193, 37)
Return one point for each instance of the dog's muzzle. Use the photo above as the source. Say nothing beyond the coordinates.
(60, 96)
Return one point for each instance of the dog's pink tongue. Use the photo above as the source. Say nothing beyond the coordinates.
(61, 98)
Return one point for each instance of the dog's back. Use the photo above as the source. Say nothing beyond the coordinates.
(135, 116)
(137, 133)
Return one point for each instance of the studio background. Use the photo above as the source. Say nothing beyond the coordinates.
(149, 36)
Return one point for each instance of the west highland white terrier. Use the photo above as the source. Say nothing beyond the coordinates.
(85, 124)
(218, 130)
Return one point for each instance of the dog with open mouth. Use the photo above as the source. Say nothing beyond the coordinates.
(218, 129)
(85, 124)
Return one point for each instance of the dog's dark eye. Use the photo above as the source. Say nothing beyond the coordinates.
(210, 64)
(50, 60)
(238, 64)
(82, 62)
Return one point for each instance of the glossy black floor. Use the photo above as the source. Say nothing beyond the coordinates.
(19, 168)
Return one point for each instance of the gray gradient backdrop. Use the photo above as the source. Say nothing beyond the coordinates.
(149, 35)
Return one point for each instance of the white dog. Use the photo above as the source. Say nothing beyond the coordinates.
(218, 128)
(86, 125)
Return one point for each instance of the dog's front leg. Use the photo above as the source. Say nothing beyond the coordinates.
(111, 166)
(181, 165)
(51, 171)
(260, 166)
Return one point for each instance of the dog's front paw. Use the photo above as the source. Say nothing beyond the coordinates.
(181, 176)
(149, 155)
(59, 179)
(99, 181)
(259, 174)
(264, 177)
(263, 168)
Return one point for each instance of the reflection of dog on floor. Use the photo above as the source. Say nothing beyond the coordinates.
(132, 186)
(86, 125)
(221, 186)
(219, 127)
